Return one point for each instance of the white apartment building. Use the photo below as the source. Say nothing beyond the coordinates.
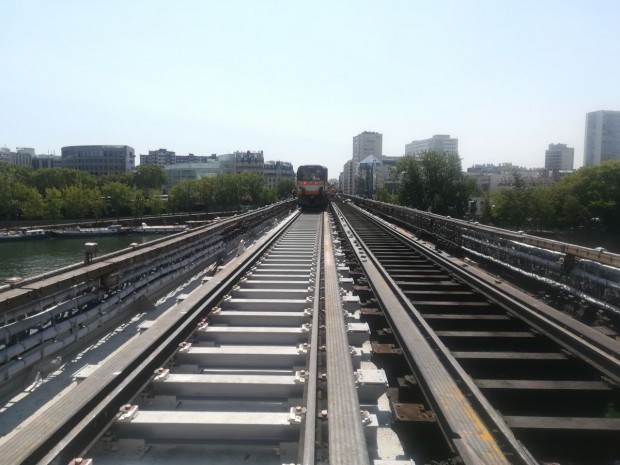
(439, 143)
(492, 178)
(559, 157)
(602, 140)
(161, 157)
(346, 178)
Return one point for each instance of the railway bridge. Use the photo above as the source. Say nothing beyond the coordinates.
(365, 334)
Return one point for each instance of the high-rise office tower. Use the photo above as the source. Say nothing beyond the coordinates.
(365, 144)
(602, 137)
(440, 143)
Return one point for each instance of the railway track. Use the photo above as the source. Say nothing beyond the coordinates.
(273, 361)
(237, 372)
(544, 386)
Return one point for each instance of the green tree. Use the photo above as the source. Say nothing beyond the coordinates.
(148, 177)
(383, 195)
(598, 190)
(251, 187)
(155, 203)
(118, 178)
(20, 174)
(53, 204)
(571, 213)
(512, 207)
(447, 191)
(285, 188)
(10, 192)
(206, 191)
(31, 203)
(60, 178)
(519, 182)
(486, 209)
(96, 203)
(117, 195)
(138, 204)
(542, 208)
(411, 191)
(435, 182)
(227, 192)
(268, 196)
(183, 196)
(75, 201)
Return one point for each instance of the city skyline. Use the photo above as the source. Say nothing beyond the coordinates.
(298, 81)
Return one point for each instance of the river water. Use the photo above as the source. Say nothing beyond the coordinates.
(34, 257)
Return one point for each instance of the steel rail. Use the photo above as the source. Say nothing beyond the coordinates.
(440, 377)
(347, 443)
(308, 449)
(71, 423)
(581, 340)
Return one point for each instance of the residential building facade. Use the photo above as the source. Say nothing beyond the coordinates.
(243, 162)
(192, 166)
(346, 178)
(160, 157)
(277, 171)
(492, 178)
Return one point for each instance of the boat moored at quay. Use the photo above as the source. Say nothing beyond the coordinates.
(111, 230)
(22, 235)
(162, 229)
(78, 231)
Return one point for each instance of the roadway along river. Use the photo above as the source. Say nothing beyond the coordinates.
(34, 257)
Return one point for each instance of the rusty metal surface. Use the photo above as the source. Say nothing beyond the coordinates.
(412, 412)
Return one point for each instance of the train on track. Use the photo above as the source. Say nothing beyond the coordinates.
(312, 186)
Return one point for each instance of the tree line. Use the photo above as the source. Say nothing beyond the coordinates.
(58, 193)
(589, 197)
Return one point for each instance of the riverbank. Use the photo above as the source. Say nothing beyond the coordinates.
(31, 258)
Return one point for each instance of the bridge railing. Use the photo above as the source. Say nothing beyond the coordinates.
(33, 288)
(589, 274)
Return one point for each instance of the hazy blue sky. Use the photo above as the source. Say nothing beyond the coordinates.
(299, 79)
